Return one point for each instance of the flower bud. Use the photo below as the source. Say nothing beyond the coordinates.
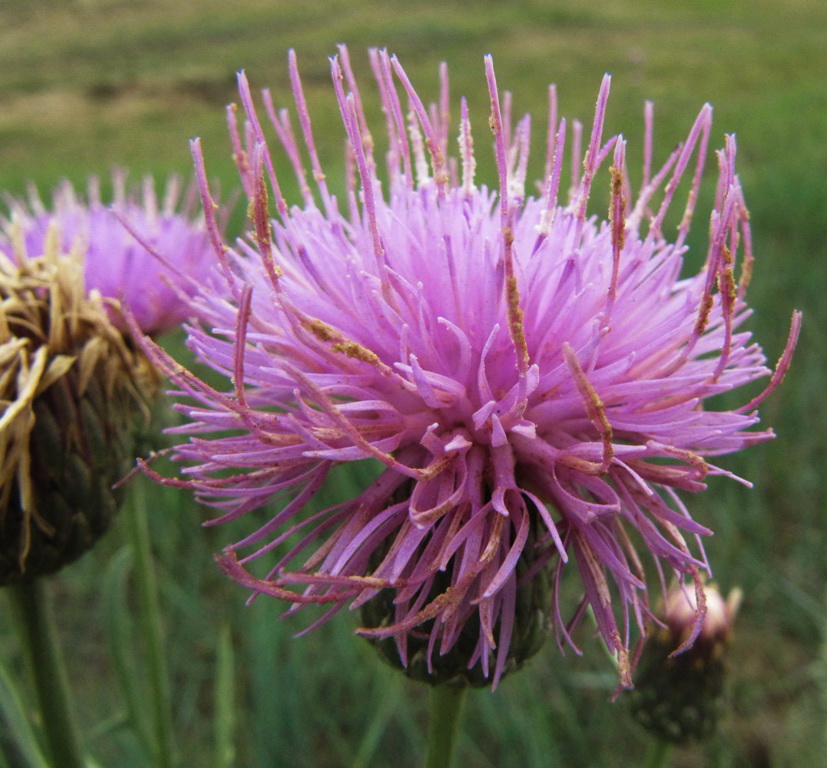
(679, 684)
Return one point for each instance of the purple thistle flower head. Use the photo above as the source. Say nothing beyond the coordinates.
(532, 381)
(137, 251)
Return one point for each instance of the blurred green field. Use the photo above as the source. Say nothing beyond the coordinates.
(88, 84)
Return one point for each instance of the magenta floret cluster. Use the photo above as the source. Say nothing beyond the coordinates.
(147, 253)
(532, 380)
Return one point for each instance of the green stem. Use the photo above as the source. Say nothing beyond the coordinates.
(224, 703)
(38, 636)
(150, 623)
(658, 754)
(443, 728)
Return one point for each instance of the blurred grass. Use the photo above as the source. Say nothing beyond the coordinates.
(88, 84)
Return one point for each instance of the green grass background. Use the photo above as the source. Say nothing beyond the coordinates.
(89, 84)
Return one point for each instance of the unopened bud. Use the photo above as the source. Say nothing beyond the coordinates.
(679, 685)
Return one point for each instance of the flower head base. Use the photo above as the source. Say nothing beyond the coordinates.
(72, 387)
(531, 381)
(136, 251)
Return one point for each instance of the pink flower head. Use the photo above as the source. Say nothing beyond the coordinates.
(134, 251)
(531, 380)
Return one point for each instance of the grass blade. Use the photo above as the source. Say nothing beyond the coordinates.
(121, 649)
(19, 745)
(150, 624)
